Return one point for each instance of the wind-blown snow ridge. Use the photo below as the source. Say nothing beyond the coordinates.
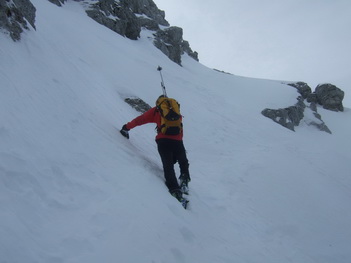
(72, 189)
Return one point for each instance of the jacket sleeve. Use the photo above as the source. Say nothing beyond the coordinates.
(147, 117)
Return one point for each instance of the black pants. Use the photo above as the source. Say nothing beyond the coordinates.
(170, 152)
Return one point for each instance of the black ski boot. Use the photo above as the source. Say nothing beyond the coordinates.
(184, 180)
(179, 196)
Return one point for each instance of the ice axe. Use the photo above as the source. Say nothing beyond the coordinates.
(162, 83)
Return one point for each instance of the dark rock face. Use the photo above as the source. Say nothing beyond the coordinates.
(148, 23)
(170, 42)
(302, 88)
(14, 16)
(117, 16)
(186, 48)
(128, 17)
(138, 104)
(125, 17)
(330, 97)
(292, 116)
(287, 117)
(58, 2)
(148, 8)
(319, 123)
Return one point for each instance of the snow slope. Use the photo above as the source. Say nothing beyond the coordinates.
(72, 189)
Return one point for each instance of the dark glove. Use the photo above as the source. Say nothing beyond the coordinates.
(124, 131)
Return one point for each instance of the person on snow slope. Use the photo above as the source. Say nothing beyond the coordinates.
(170, 147)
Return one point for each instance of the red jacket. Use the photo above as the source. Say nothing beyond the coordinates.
(153, 116)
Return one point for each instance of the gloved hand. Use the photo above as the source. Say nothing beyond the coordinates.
(124, 131)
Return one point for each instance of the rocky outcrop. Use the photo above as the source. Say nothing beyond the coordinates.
(58, 2)
(316, 119)
(292, 116)
(14, 15)
(149, 9)
(186, 49)
(288, 117)
(170, 42)
(302, 88)
(138, 104)
(329, 96)
(117, 16)
(128, 17)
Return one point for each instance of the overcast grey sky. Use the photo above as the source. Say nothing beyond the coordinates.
(293, 40)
